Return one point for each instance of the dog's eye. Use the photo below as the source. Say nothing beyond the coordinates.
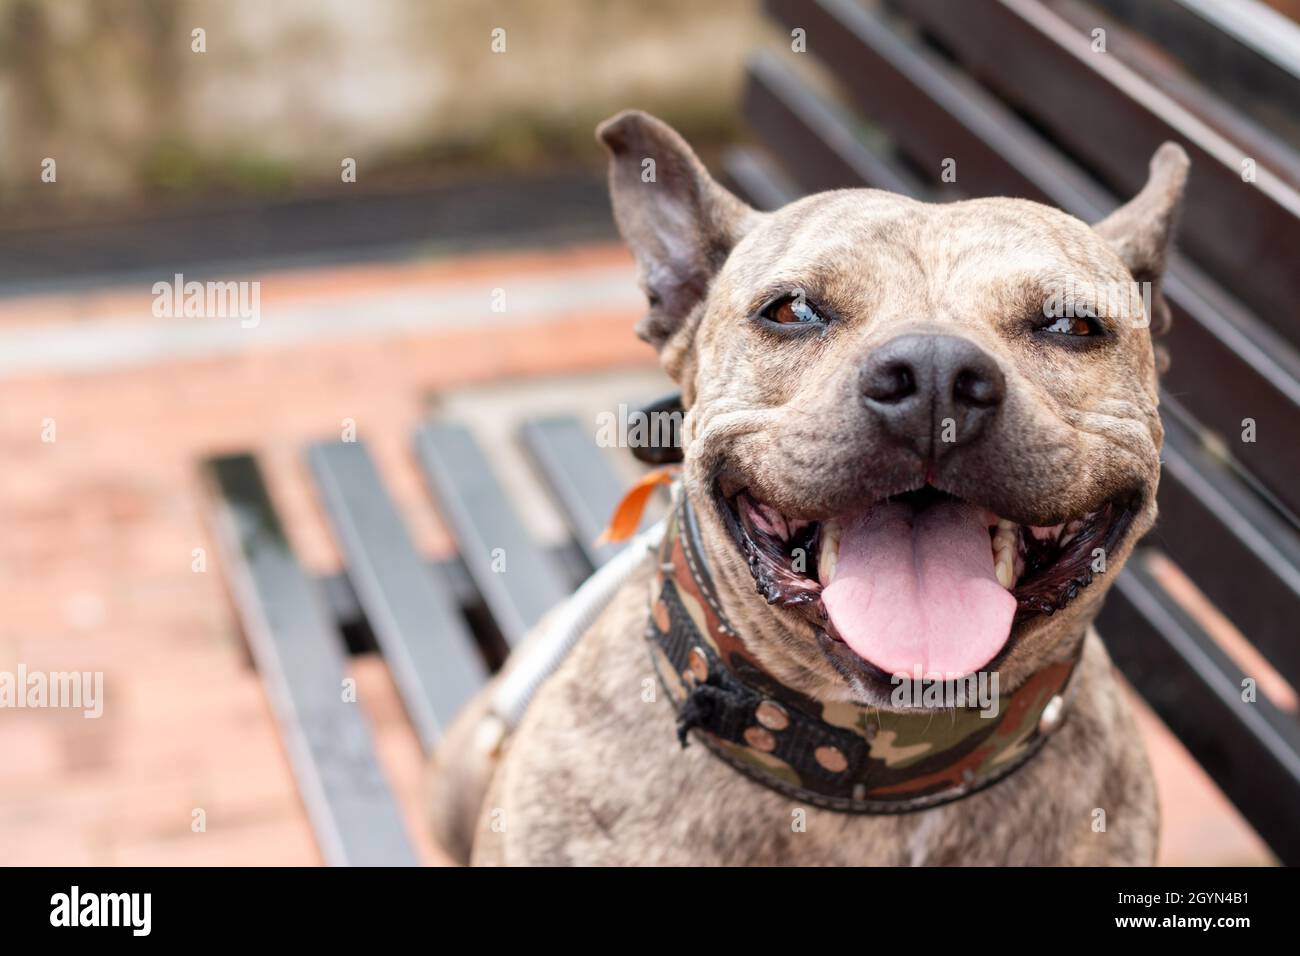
(1074, 325)
(792, 310)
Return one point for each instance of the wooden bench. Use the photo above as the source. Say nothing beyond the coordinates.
(441, 626)
(1015, 93)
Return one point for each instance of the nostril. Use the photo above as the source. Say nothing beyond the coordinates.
(891, 382)
(973, 387)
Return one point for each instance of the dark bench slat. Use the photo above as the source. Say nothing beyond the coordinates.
(300, 656)
(580, 477)
(755, 175)
(1040, 62)
(768, 112)
(482, 519)
(1261, 137)
(345, 606)
(1240, 553)
(776, 97)
(1252, 750)
(1227, 367)
(427, 645)
(932, 112)
(1249, 66)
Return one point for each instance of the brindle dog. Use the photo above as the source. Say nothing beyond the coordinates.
(893, 382)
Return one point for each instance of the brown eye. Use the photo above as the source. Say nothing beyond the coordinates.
(792, 310)
(1074, 325)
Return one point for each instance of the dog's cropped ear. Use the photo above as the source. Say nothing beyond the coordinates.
(680, 224)
(1141, 230)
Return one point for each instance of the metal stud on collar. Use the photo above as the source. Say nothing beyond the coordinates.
(831, 758)
(772, 715)
(1052, 715)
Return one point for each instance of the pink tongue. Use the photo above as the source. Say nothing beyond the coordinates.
(916, 589)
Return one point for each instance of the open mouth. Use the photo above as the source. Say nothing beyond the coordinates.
(920, 581)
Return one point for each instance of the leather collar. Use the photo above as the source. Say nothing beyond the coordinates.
(834, 756)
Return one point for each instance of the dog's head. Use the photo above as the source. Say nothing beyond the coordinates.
(919, 437)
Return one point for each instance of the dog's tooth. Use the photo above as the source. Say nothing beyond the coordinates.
(1005, 570)
(828, 557)
(826, 566)
(1005, 539)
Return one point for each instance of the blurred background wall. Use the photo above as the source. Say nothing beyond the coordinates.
(114, 90)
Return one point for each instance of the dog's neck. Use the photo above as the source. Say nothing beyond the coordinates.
(833, 755)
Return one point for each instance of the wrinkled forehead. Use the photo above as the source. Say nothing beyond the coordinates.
(867, 236)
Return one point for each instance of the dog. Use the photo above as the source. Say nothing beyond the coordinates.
(920, 441)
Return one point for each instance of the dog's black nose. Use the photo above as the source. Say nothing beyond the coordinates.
(932, 392)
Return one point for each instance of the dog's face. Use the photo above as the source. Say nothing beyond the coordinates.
(920, 438)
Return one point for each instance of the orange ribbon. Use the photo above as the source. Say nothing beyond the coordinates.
(627, 516)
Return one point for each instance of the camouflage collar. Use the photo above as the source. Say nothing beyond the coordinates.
(835, 756)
